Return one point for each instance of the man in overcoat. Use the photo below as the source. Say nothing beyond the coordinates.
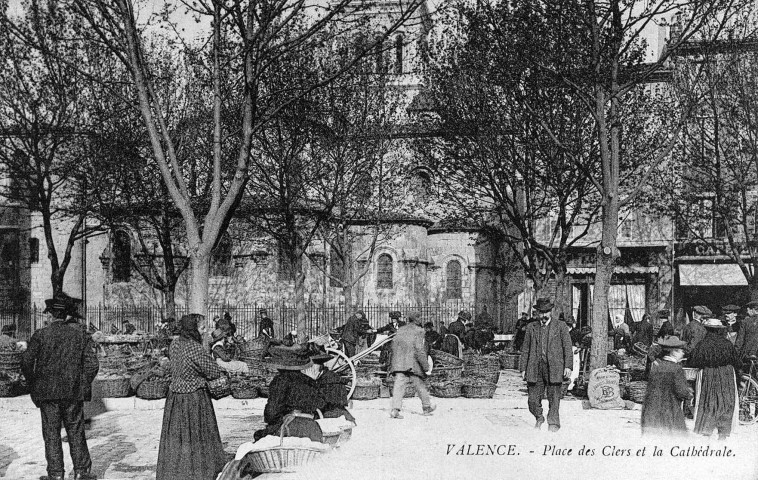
(747, 336)
(60, 365)
(694, 332)
(409, 364)
(546, 360)
(357, 326)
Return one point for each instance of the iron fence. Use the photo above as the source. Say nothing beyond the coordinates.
(319, 318)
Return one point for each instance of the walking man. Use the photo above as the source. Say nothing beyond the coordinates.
(694, 332)
(546, 360)
(60, 365)
(409, 364)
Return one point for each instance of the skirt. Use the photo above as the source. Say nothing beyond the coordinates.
(190, 447)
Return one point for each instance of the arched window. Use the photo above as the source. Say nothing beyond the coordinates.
(222, 257)
(122, 256)
(384, 271)
(454, 281)
(399, 54)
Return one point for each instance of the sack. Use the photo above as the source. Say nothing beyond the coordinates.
(603, 390)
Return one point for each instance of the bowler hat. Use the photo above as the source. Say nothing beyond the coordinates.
(730, 308)
(703, 310)
(543, 305)
(713, 323)
(395, 314)
(672, 341)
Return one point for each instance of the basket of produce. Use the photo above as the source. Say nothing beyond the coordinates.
(636, 391)
(283, 454)
(154, 388)
(478, 389)
(690, 373)
(510, 360)
(10, 360)
(367, 389)
(254, 348)
(442, 374)
(220, 387)
(244, 388)
(450, 389)
(444, 359)
(112, 385)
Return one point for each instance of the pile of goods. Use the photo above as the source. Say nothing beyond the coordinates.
(111, 385)
(118, 366)
(509, 360)
(478, 388)
(152, 381)
(480, 375)
(367, 388)
(12, 382)
(246, 387)
(445, 379)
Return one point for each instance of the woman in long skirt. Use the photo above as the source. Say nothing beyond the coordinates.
(190, 447)
(716, 401)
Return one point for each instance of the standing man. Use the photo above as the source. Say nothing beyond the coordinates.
(521, 324)
(409, 364)
(729, 320)
(266, 326)
(356, 327)
(60, 366)
(694, 332)
(747, 336)
(546, 360)
(644, 333)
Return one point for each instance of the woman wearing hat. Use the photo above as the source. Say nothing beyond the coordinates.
(190, 446)
(666, 389)
(219, 342)
(716, 401)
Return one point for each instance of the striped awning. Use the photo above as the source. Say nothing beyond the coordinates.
(620, 270)
(711, 275)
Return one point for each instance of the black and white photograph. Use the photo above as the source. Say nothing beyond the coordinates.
(378, 239)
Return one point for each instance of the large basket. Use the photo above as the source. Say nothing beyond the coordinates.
(446, 390)
(282, 459)
(220, 387)
(479, 390)
(154, 388)
(488, 376)
(255, 348)
(637, 391)
(366, 392)
(690, 373)
(10, 361)
(510, 360)
(444, 359)
(245, 388)
(113, 387)
(444, 374)
(6, 388)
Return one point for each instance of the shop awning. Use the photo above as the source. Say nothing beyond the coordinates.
(618, 270)
(711, 275)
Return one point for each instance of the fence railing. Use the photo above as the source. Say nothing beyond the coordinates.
(319, 318)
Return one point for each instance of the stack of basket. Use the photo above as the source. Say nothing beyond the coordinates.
(367, 388)
(10, 372)
(476, 388)
(245, 387)
(482, 367)
(252, 352)
(445, 379)
(112, 385)
(154, 388)
(509, 360)
(636, 391)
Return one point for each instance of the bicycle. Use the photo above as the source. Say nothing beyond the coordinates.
(748, 394)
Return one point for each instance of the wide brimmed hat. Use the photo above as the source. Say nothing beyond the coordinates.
(283, 358)
(395, 314)
(730, 308)
(543, 305)
(217, 334)
(672, 341)
(702, 310)
(321, 358)
(713, 323)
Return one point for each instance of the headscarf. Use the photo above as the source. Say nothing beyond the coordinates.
(188, 327)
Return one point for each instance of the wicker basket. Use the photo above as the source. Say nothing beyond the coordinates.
(10, 361)
(113, 387)
(6, 388)
(444, 374)
(366, 392)
(690, 373)
(154, 388)
(220, 387)
(245, 388)
(510, 360)
(444, 359)
(479, 390)
(490, 377)
(255, 348)
(637, 391)
(446, 390)
(282, 459)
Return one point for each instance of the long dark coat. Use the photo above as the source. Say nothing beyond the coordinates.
(409, 351)
(747, 337)
(559, 353)
(60, 364)
(355, 328)
(662, 411)
(644, 333)
(693, 333)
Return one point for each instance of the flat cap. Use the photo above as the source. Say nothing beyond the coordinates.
(703, 310)
(753, 304)
(731, 308)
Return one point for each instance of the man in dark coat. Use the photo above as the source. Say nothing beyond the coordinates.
(409, 364)
(521, 324)
(729, 319)
(433, 339)
(356, 327)
(266, 326)
(747, 336)
(546, 360)
(60, 365)
(644, 332)
(694, 332)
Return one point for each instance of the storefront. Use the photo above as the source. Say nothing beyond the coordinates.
(711, 284)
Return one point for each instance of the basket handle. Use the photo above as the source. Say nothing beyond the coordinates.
(285, 426)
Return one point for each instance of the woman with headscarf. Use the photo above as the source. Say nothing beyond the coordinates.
(666, 389)
(718, 361)
(190, 446)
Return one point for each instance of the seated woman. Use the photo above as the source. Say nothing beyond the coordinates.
(293, 397)
(332, 389)
(222, 356)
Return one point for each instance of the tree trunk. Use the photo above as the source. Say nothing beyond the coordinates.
(560, 292)
(347, 294)
(169, 300)
(300, 313)
(200, 267)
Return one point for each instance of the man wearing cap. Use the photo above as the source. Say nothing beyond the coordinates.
(356, 327)
(409, 364)
(546, 360)
(729, 319)
(60, 365)
(747, 336)
(693, 332)
(393, 324)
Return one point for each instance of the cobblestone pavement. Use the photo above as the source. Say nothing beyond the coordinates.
(465, 438)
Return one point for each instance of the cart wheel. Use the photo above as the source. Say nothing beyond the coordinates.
(345, 367)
